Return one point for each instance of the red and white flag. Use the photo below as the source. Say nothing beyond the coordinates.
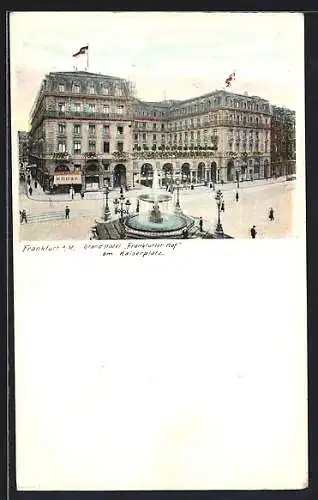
(228, 81)
(81, 51)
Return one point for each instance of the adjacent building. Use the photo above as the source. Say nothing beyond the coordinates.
(23, 140)
(88, 130)
(283, 144)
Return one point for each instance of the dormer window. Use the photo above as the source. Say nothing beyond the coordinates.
(105, 89)
(61, 87)
(91, 89)
(76, 88)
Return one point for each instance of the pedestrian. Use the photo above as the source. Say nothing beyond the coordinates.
(222, 207)
(35, 184)
(201, 224)
(24, 216)
(67, 212)
(192, 186)
(253, 232)
(29, 182)
(185, 233)
(30, 191)
(271, 214)
(82, 195)
(222, 182)
(72, 194)
(237, 196)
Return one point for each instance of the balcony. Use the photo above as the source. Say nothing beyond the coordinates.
(82, 115)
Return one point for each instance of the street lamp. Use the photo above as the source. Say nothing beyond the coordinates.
(237, 179)
(219, 199)
(107, 213)
(121, 201)
(177, 207)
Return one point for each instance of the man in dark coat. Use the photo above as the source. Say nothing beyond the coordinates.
(222, 207)
(253, 232)
(237, 196)
(201, 224)
(271, 214)
(67, 212)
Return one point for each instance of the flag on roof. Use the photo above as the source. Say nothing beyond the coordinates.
(229, 79)
(81, 51)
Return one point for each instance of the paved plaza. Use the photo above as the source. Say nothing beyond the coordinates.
(46, 216)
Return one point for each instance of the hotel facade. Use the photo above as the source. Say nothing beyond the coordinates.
(88, 130)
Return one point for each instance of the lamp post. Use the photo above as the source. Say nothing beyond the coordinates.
(237, 179)
(107, 213)
(121, 201)
(218, 199)
(177, 207)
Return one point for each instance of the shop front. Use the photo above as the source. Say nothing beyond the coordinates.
(64, 181)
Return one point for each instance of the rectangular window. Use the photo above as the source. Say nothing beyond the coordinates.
(61, 146)
(136, 137)
(62, 128)
(61, 87)
(144, 137)
(135, 147)
(105, 129)
(91, 108)
(120, 110)
(144, 125)
(106, 147)
(91, 89)
(77, 148)
(61, 107)
(162, 126)
(91, 129)
(120, 147)
(77, 107)
(162, 137)
(144, 146)
(92, 146)
(120, 129)
(154, 137)
(76, 89)
(106, 109)
(77, 129)
(154, 126)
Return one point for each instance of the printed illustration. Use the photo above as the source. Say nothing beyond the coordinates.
(101, 161)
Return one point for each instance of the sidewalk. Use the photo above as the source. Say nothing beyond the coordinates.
(39, 195)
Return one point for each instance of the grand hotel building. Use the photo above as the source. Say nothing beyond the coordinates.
(88, 130)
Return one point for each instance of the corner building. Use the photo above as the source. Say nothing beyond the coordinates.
(81, 131)
(88, 130)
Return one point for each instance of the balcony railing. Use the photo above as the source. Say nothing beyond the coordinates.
(85, 115)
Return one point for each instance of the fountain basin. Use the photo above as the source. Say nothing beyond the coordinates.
(172, 225)
(151, 198)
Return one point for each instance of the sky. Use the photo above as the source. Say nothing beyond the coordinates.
(166, 54)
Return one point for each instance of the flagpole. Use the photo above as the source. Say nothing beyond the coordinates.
(87, 58)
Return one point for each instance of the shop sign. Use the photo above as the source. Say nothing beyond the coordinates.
(67, 178)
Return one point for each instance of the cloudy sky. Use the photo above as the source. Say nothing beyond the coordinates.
(179, 55)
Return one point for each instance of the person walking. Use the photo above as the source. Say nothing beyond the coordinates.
(35, 184)
(201, 225)
(72, 194)
(67, 212)
(237, 196)
(82, 195)
(23, 216)
(222, 207)
(30, 190)
(253, 232)
(271, 214)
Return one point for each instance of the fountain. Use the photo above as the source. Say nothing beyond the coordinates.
(157, 223)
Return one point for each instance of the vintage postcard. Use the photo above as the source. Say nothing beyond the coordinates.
(167, 127)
